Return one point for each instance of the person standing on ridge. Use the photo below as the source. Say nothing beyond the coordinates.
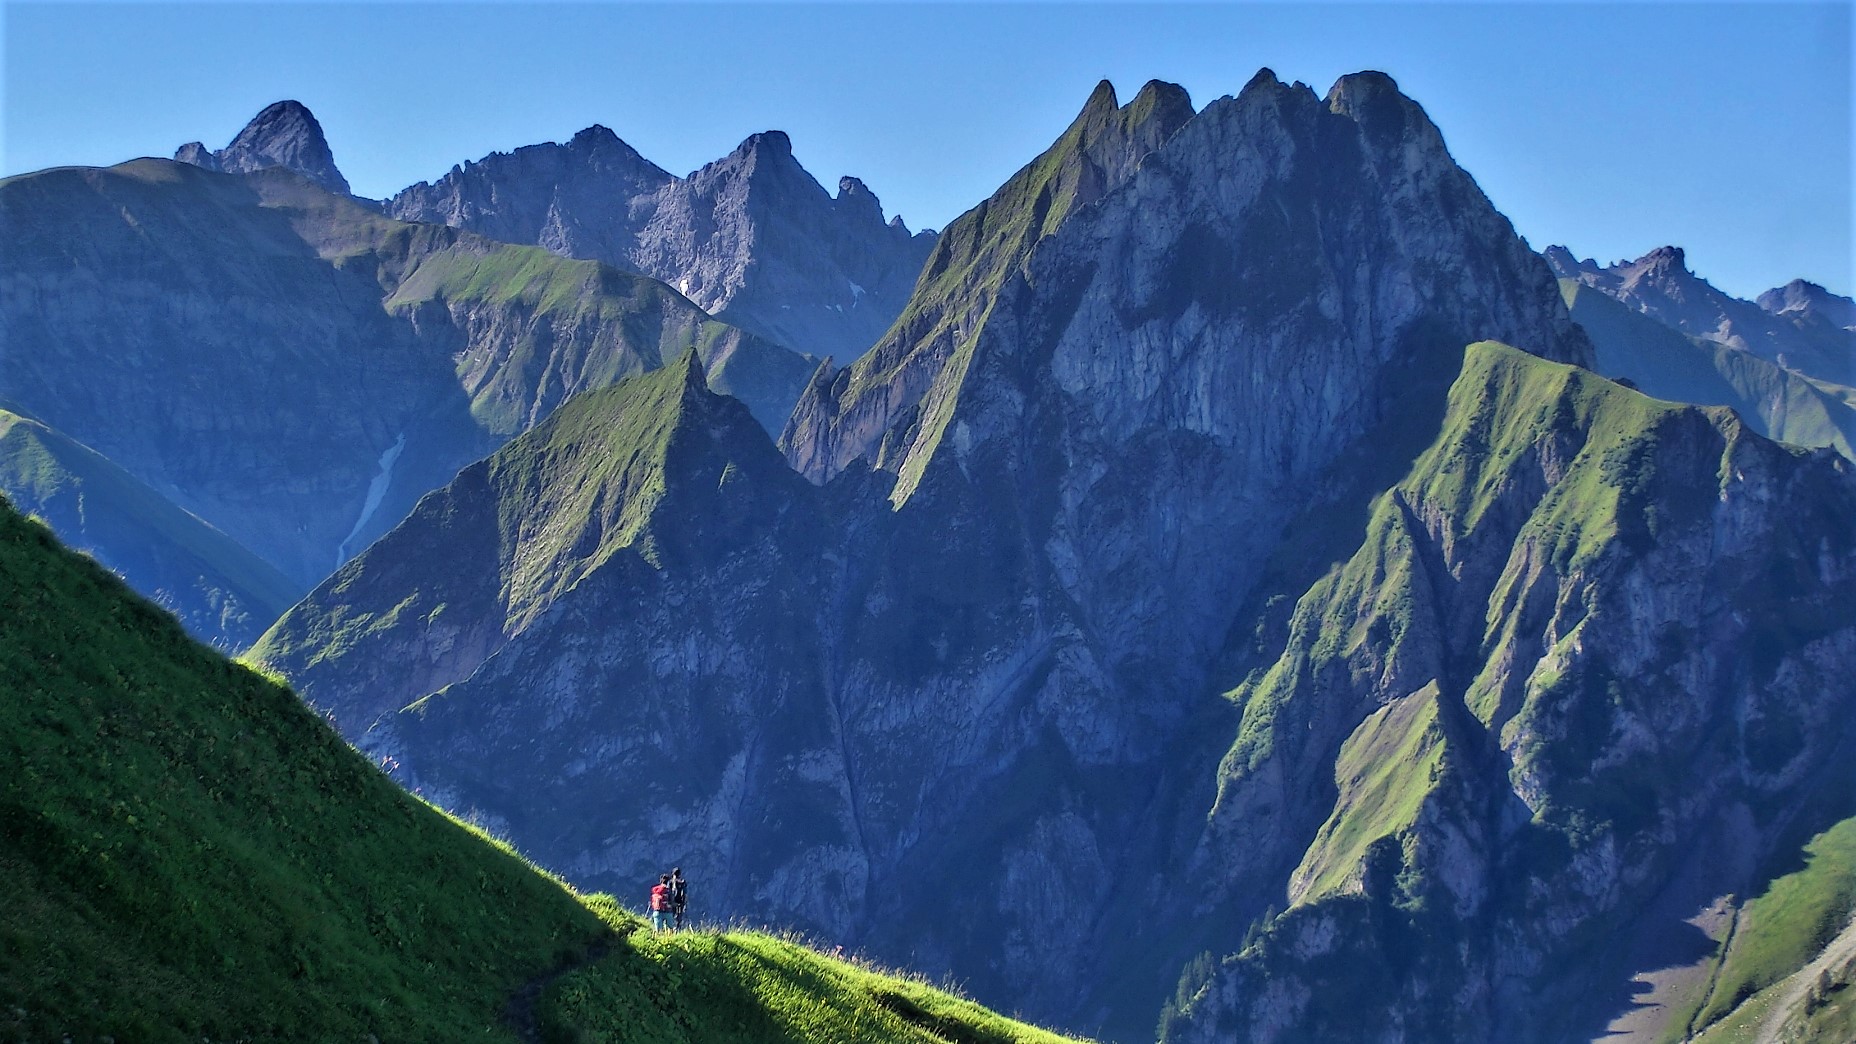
(679, 895)
(660, 903)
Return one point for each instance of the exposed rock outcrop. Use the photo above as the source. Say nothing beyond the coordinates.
(285, 135)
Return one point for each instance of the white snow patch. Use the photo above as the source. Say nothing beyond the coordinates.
(376, 492)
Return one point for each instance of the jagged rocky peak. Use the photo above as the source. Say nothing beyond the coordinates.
(765, 152)
(855, 197)
(1567, 265)
(199, 155)
(1669, 259)
(285, 134)
(1115, 137)
(597, 136)
(1802, 298)
(1801, 337)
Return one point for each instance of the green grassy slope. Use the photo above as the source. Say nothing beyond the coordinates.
(1796, 922)
(527, 524)
(1666, 364)
(191, 855)
(215, 586)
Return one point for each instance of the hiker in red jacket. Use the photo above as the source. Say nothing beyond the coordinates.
(660, 903)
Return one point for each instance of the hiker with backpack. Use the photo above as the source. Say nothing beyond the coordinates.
(679, 895)
(660, 903)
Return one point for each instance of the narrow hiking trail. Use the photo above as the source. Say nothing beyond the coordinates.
(521, 1013)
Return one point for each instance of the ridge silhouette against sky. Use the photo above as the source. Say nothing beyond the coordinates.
(1613, 128)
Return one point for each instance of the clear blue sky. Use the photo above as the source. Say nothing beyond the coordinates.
(1614, 128)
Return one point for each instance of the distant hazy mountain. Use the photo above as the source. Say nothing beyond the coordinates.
(1665, 363)
(1791, 326)
(1808, 304)
(297, 369)
(284, 135)
(219, 590)
(752, 237)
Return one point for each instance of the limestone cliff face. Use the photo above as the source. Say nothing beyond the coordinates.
(296, 369)
(958, 703)
(751, 238)
(1580, 680)
(286, 134)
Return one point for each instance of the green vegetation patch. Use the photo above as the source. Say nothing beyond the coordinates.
(730, 987)
(219, 587)
(192, 854)
(1384, 772)
(1788, 925)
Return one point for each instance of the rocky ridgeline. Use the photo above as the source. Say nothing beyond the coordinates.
(751, 238)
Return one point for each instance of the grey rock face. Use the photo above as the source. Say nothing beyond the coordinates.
(286, 135)
(199, 155)
(1049, 500)
(1660, 286)
(751, 238)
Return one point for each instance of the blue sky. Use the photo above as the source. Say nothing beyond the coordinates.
(1614, 128)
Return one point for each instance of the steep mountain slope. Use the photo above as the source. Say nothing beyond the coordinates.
(752, 238)
(958, 703)
(630, 480)
(216, 588)
(843, 420)
(1668, 364)
(190, 854)
(1584, 676)
(286, 134)
(1660, 286)
(296, 369)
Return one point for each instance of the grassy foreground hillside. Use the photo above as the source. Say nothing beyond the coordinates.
(191, 855)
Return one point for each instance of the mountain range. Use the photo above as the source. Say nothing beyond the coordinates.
(751, 238)
(1238, 591)
(1170, 580)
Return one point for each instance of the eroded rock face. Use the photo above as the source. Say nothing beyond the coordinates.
(751, 238)
(286, 135)
(959, 702)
